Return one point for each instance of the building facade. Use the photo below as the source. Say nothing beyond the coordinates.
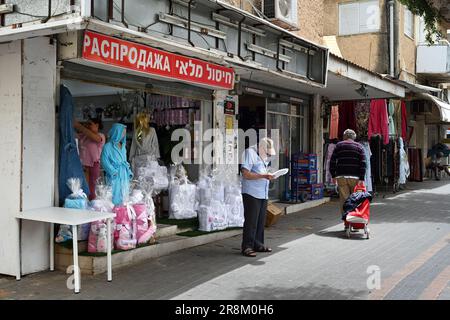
(274, 70)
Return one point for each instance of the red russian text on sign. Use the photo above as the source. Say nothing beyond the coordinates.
(126, 54)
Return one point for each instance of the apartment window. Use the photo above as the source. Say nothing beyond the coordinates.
(359, 17)
(409, 23)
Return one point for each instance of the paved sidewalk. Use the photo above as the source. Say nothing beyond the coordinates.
(312, 259)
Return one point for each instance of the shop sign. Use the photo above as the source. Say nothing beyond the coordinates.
(230, 107)
(133, 56)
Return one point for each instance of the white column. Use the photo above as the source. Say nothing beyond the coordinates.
(10, 156)
(317, 134)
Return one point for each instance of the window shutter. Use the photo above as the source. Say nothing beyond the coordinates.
(348, 18)
(369, 16)
(422, 32)
(408, 25)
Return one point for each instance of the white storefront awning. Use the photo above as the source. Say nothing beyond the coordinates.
(444, 107)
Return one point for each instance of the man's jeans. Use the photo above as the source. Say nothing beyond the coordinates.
(346, 188)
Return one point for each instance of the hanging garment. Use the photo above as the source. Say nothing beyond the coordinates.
(390, 159)
(362, 115)
(404, 120)
(397, 116)
(346, 117)
(114, 161)
(404, 164)
(391, 113)
(330, 151)
(368, 176)
(376, 159)
(378, 121)
(334, 122)
(147, 146)
(415, 164)
(69, 160)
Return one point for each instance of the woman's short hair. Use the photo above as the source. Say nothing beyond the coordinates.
(349, 134)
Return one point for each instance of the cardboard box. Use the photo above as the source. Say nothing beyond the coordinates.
(273, 214)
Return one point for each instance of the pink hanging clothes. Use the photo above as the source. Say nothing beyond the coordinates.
(379, 121)
(334, 122)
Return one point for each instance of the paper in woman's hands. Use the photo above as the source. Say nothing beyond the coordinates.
(280, 173)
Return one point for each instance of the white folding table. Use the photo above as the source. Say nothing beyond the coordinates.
(74, 218)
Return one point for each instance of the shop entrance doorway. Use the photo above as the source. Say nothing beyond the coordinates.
(252, 114)
(287, 124)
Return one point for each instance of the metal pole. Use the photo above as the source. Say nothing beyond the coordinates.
(110, 10)
(2, 16)
(189, 24)
(240, 37)
(391, 38)
(123, 14)
(49, 15)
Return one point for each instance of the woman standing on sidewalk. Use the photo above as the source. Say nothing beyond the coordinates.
(255, 193)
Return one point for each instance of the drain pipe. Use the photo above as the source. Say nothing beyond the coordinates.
(391, 39)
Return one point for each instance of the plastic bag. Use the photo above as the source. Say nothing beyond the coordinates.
(182, 194)
(182, 201)
(235, 206)
(213, 218)
(154, 175)
(76, 200)
(98, 231)
(125, 231)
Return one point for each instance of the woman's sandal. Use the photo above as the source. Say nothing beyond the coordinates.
(249, 253)
(264, 249)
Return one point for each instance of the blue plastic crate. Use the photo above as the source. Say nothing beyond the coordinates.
(304, 161)
(304, 177)
(314, 191)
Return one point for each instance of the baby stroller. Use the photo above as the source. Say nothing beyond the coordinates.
(357, 211)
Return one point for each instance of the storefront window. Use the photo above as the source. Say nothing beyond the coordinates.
(289, 120)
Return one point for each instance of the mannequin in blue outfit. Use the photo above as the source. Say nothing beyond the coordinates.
(114, 162)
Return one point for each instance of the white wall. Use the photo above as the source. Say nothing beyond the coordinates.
(10, 164)
(39, 76)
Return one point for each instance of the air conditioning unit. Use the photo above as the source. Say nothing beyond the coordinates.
(282, 13)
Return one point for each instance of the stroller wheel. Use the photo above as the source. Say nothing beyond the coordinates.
(367, 232)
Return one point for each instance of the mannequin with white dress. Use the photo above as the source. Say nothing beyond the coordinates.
(145, 141)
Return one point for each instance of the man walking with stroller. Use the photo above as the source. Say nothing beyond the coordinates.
(348, 165)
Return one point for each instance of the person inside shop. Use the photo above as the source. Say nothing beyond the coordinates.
(255, 193)
(348, 165)
(114, 162)
(90, 145)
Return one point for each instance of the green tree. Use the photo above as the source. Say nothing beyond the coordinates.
(430, 15)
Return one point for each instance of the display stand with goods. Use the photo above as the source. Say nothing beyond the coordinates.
(182, 195)
(304, 177)
(76, 200)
